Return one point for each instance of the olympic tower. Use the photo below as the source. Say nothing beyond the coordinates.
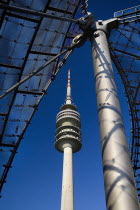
(68, 141)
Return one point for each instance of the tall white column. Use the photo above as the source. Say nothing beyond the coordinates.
(67, 181)
(118, 174)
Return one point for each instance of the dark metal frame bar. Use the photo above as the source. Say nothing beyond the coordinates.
(10, 66)
(36, 13)
(21, 17)
(127, 14)
(127, 53)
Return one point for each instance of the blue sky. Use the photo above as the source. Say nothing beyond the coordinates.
(34, 182)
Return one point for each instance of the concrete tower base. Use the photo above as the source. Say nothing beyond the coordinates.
(67, 181)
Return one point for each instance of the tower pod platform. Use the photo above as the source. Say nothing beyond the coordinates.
(68, 128)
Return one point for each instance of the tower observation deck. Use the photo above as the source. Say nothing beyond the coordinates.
(68, 141)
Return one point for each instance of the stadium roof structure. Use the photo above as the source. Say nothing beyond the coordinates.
(27, 42)
(33, 36)
(124, 43)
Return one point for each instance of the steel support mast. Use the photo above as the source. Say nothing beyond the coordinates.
(119, 181)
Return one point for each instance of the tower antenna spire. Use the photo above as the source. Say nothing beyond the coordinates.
(68, 97)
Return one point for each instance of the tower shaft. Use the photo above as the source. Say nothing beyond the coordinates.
(118, 174)
(67, 181)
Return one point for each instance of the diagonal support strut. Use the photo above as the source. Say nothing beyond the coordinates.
(77, 42)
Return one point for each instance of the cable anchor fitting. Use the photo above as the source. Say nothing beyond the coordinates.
(87, 21)
(52, 77)
(79, 40)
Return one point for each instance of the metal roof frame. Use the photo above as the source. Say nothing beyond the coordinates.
(9, 11)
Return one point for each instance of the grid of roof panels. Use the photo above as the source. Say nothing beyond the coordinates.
(28, 42)
(125, 52)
